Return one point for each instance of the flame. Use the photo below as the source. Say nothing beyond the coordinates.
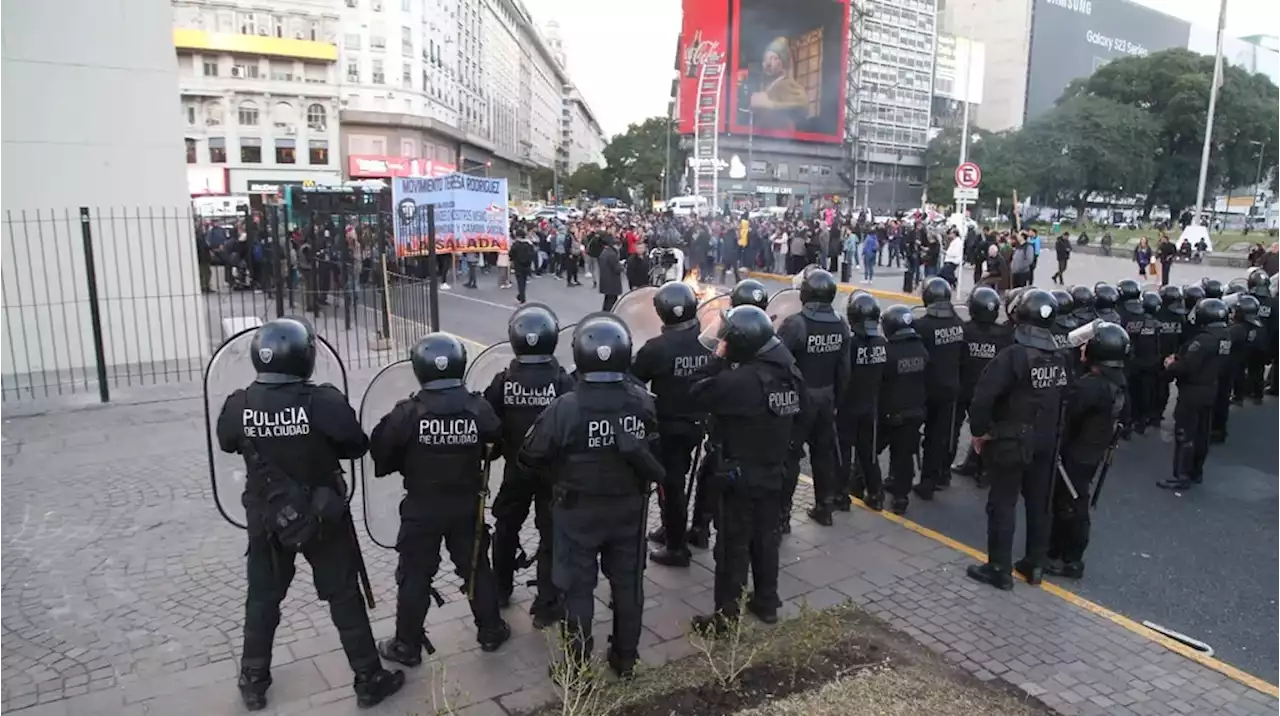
(702, 292)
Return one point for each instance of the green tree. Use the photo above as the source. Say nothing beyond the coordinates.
(542, 180)
(590, 178)
(998, 154)
(637, 157)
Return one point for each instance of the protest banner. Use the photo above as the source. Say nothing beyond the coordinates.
(470, 214)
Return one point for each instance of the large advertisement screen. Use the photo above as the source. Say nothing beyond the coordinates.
(1072, 38)
(704, 40)
(788, 69)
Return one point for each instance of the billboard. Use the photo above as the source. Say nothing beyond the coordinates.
(704, 40)
(789, 62)
(1072, 38)
(958, 69)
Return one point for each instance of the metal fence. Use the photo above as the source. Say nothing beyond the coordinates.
(95, 299)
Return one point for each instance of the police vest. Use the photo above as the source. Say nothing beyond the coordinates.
(1031, 411)
(682, 358)
(823, 344)
(762, 438)
(527, 390)
(594, 465)
(446, 451)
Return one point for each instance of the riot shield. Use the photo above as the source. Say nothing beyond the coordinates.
(229, 370)
(801, 274)
(783, 304)
(710, 315)
(382, 495)
(564, 348)
(841, 303)
(636, 310)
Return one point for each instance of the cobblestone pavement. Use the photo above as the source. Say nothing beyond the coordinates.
(122, 593)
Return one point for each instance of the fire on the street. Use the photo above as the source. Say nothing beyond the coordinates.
(699, 290)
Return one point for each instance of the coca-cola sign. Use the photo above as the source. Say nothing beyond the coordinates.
(701, 52)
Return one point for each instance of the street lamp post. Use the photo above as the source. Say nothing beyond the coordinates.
(1257, 178)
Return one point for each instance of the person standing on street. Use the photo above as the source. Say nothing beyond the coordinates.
(1166, 252)
(522, 256)
(1016, 418)
(903, 400)
(859, 469)
(942, 334)
(596, 446)
(1197, 367)
(1022, 263)
(752, 395)
(323, 430)
(984, 338)
(438, 439)
(610, 270)
(1170, 320)
(1062, 247)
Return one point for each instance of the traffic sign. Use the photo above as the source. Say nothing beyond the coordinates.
(968, 175)
(964, 193)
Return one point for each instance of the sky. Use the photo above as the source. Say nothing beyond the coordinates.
(621, 52)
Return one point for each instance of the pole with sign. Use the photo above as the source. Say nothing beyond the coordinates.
(968, 177)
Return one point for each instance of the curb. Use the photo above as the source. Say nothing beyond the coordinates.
(844, 287)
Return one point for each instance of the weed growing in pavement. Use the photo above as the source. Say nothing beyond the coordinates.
(731, 653)
(581, 683)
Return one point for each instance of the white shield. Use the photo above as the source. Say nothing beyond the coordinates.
(564, 347)
(710, 314)
(635, 308)
(229, 370)
(783, 304)
(380, 498)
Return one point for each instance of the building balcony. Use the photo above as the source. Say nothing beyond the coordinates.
(187, 39)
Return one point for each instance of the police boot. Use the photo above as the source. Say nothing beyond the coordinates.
(253, 685)
(875, 501)
(766, 614)
(784, 520)
(991, 574)
(821, 514)
(924, 490)
(374, 686)
(713, 625)
(900, 505)
(1030, 572)
(395, 650)
(658, 536)
(858, 489)
(622, 665)
(490, 638)
(669, 557)
(1069, 570)
(544, 615)
(698, 536)
(841, 503)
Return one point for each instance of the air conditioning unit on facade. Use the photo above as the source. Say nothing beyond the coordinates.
(235, 72)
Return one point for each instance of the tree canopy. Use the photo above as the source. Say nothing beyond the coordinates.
(636, 158)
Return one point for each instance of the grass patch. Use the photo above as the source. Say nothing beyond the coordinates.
(829, 661)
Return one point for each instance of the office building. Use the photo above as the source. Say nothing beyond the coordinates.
(582, 141)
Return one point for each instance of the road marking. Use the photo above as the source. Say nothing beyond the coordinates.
(1173, 645)
(842, 287)
(477, 300)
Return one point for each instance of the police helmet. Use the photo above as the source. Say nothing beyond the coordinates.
(984, 305)
(439, 361)
(1171, 298)
(1082, 297)
(1259, 282)
(675, 303)
(1246, 310)
(1211, 312)
(1212, 287)
(936, 295)
(1151, 302)
(897, 321)
(1192, 294)
(1105, 296)
(1011, 300)
(749, 292)
(864, 313)
(819, 286)
(746, 332)
(284, 351)
(602, 348)
(1236, 285)
(1036, 307)
(1128, 290)
(1108, 347)
(1065, 303)
(533, 331)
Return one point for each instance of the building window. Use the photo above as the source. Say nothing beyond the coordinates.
(408, 148)
(351, 40)
(190, 112)
(213, 114)
(406, 41)
(351, 3)
(282, 116)
(377, 42)
(248, 24)
(406, 77)
(217, 150)
(245, 70)
(406, 5)
(318, 151)
(353, 70)
(316, 117)
(191, 150)
(277, 23)
(210, 68)
(285, 152)
(250, 150)
(248, 114)
(315, 31)
(379, 77)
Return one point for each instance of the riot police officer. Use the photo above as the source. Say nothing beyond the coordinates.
(1082, 299)
(1197, 368)
(1248, 378)
(1192, 295)
(1063, 324)
(518, 395)
(292, 434)
(984, 338)
(1089, 430)
(903, 399)
(1133, 319)
(753, 397)
(1170, 320)
(1105, 299)
(1213, 288)
(1260, 287)
(749, 292)
(438, 440)
(857, 414)
(1243, 334)
(1145, 348)
(819, 340)
(942, 334)
(1015, 418)
(596, 445)
(668, 364)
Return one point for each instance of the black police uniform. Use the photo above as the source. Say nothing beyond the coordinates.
(1094, 405)
(1242, 335)
(518, 395)
(1105, 299)
(859, 406)
(595, 445)
(438, 441)
(903, 396)
(668, 364)
(1144, 366)
(984, 339)
(290, 429)
(1192, 294)
(1260, 287)
(1082, 299)
(1249, 377)
(1197, 368)
(942, 334)
(753, 397)
(1016, 410)
(1170, 320)
(818, 338)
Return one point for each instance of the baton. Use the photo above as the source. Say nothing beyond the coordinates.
(361, 570)
(479, 535)
(1105, 467)
(1062, 472)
